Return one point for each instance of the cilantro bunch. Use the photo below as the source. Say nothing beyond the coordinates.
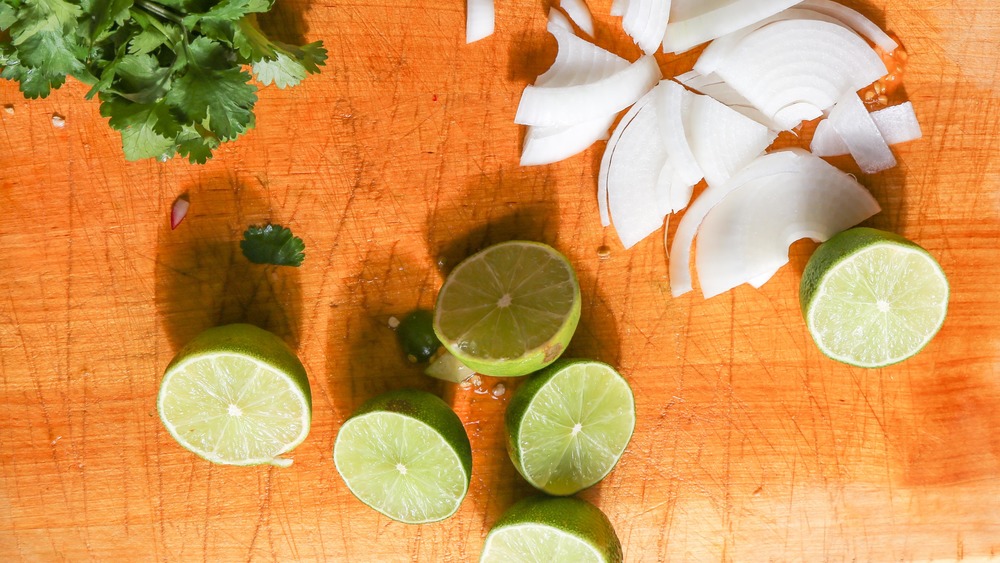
(171, 75)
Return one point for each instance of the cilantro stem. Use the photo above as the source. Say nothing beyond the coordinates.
(158, 10)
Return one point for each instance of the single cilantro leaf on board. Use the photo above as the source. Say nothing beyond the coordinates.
(272, 244)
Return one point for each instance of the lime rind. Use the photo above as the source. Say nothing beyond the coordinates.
(873, 299)
(568, 426)
(243, 433)
(510, 309)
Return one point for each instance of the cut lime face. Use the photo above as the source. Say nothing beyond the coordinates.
(548, 530)
(509, 310)
(236, 395)
(872, 298)
(568, 425)
(407, 455)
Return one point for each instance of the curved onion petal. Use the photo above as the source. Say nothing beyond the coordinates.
(545, 145)
(480, 20)
(618, 7)
(897, 124)
(645, 21)
(578, 61)
(855, 20)
(578, 11)
(558, 20)
(713, 86)
(632, 172)
(769, 165)
(794, 65)
(693, 22)
(673, 109)
(851, 121)
(560, 104)
(609, 151)
(720, 48)
(746, 236)
(721, 139)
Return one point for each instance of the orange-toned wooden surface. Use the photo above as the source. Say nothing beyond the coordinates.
(750, 445)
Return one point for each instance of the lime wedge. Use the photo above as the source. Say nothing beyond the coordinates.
(236, 395)
(872, 298)
(552, 530)
(568, 425)
(510, 309)
(405, 454)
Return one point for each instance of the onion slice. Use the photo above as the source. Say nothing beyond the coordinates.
(545, 145)
(693, 22)
(480, 20)
(645, 21)
(178, 211)
(633, 174)
(747, 234)
(558, 20)
(722, 140)
(794, 69)
(855, 126)
(897, 124)
(578, 11)
(673, 107)
(713, 86)
(618, 7)
(563, 104)
(857, 21)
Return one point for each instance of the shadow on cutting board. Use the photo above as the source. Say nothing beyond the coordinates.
(203, 279)
(286, 21)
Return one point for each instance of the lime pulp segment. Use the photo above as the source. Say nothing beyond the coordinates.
(879, 305)
(537, 543)
(233, 409)
(401, 466)
(574, 428)
(510, 309)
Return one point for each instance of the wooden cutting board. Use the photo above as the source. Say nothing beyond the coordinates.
(397, 161)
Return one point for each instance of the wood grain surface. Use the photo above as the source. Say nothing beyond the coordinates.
(395, 162)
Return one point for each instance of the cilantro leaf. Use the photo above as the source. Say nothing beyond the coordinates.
(173, 76)
(272, 244)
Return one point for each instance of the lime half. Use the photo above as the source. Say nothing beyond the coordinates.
(552, 530)
(405, 454)
(236, 395)
(568, 425)
(872, 298)
(509, 310)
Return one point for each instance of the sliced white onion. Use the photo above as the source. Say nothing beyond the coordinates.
(712, 85)
(553, 104)
(746, 236)
(578, 11)
(795, 68)
(680, 250)
(897, 124)
(680, 195)
(545, 145)
(479, 20)
(618, 7)
(645, 21)
(720, 48)
(855, 126)
(578, 61)
(668, 190)
(558, 20)
(609, 151)
(855, 20)
(693, 22)
(673, 106)
(722, 140)
(632, 174)
(827, 142)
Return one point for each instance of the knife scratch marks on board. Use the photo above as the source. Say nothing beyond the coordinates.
(263, 518)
